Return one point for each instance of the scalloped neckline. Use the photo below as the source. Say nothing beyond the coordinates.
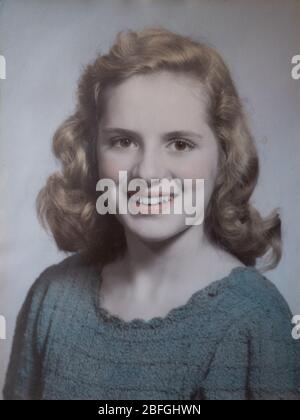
(176, 313)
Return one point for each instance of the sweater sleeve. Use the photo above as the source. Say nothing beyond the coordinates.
(257, 358)
(226, 377)
(23, 376)
(274, 355)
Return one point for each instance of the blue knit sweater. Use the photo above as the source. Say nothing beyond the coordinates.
(231, 340)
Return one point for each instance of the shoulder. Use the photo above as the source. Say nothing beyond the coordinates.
(62, 281)
(58, 297)
(256, 291)
(254, 338)
(71, 269)
(255, 304)
(248, 297)
(249, 305)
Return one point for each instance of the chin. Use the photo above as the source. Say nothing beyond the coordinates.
(155, 228)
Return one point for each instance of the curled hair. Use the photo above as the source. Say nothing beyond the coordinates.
(67, 203)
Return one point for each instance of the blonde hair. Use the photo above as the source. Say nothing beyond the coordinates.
(67, 203)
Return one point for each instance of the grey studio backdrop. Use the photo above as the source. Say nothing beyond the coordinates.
(47, 43)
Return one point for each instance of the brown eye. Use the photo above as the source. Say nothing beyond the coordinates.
(123, 143)
(182, 145)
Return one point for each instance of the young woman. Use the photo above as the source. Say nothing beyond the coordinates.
(149, 307)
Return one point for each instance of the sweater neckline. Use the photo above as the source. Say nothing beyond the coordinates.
(196, 300)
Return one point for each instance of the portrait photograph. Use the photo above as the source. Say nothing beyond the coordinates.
(149, 219)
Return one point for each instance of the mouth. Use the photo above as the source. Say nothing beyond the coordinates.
(152, 200)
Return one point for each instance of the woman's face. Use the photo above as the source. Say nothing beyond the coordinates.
(167, 137)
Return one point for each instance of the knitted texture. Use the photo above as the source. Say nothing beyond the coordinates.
(230, 340)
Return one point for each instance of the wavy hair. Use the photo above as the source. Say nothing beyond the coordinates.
(67, 203)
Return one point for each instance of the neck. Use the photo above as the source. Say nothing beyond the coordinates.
(150, 267)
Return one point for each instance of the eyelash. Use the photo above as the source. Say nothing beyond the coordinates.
(191, 145)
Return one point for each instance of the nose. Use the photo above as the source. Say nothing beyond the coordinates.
(150, 165)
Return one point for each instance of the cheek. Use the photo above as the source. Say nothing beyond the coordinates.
(109, 167)
(202, 166)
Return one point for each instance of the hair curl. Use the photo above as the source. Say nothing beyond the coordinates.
(67, 203)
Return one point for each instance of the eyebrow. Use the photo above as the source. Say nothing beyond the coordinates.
(125, 131)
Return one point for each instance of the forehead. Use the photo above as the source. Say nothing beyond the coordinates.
(162, 99)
